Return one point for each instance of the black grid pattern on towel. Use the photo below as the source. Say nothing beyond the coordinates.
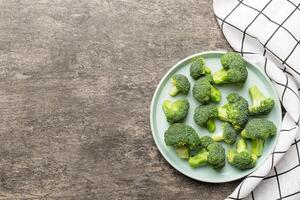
(283, 83)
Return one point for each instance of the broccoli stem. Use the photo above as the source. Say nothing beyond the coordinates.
(241, 146)
(166, 105)
(211, 125)
(182, 152)
(215, 94)
(207, 70)
(199, 159)
(222, 113)
(254, 158)
(218, 137)
(257, 147)
(230, 155)
(173, 92)
(256, 95)
(220, 76)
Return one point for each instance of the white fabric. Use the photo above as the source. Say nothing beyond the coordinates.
(267, 32)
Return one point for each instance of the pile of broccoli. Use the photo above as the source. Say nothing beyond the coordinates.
(198, 151)
(237, 116)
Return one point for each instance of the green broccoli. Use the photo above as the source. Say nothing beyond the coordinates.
(228, 134)
(213, 155)
(204, 91)
(205, 116)
(240, 157)
(183, 138)
(177, 110)
(198, 68)
(258, 130)
(233, 69)
(260, 103)
(205, 141)
(235, 111)
(180, 84)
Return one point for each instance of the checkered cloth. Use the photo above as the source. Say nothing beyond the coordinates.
(267, 32)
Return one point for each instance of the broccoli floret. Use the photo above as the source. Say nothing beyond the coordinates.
(260, 103)
(205, 141)
(181, 84)
(258, 130)
(177, 110)
(235, 111)
(204, 91)
(233, 69)
(180, 135)
(240, 157)
(228, 134)
(205, 116)
(216, 156)
(213, 155)
(198, 68)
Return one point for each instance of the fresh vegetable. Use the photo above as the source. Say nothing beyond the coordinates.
(198, 68)
(260, 103)
(205, 141)
(213, 155)
(205, 116)
(204, 91)
(258, 130)
(228, 134)
(183, 138)
(235, 111)
(181, 84)
(240, 157)
(233, 69)
(177, 110)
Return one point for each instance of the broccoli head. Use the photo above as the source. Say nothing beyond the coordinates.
(233, 69)
(204, 91)
(180, 83)
(205, 116)
(228, 134)
(258, 130)
(213, 155)
(205, 141)
(177, 110)
(183, 138)
(240, 157)
(260, 103)
(235, 111)
(198, 68)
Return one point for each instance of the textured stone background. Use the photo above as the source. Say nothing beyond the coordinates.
(76, 81)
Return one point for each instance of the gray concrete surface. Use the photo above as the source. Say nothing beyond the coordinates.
(76, 81)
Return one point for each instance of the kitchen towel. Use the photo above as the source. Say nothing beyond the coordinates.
(267, 33)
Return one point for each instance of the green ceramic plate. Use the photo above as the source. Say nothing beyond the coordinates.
(159, 124)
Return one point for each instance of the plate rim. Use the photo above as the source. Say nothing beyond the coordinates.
(152, 105)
